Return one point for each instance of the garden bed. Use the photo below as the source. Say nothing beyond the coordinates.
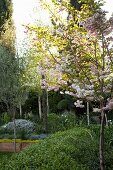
(8, 145)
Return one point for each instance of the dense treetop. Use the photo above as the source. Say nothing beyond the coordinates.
(5, 12)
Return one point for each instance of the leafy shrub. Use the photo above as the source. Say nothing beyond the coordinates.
(54, 98)
(61, 122)
(70, 150)
(54, 123)
(63, 105)
(6, 136)
(6, 117)
(75, 149)
(35, 137)
(5, 131)
(9, 134)
(22, 134)
(23, 129)
(108, 144)
(4, 157)
(21, 125)
(58, 123)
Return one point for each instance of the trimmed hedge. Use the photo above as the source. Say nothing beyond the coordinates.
(75, 149)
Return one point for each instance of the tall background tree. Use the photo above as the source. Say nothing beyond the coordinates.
(9, 62)
(5, 13)
(7, 49)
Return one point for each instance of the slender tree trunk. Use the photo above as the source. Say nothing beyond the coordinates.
(14, 132)
(47, 103)
(106, 119)
(44, 111)
(88, 122)
(11, 110)
(101, 145)
(39, 106)
(8, 108)
(20, 109)
(44, 107)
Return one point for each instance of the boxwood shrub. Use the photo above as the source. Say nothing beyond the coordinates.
(75, 149)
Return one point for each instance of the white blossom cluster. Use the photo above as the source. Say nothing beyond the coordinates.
(81, 93)
(96, 110)
(78, 92)
(79, 103)
(104, 74)
(55, 88)
(40, 70)
(109, 106)
(44, 84)
(69, 93)
(110, 122)
(58, 67)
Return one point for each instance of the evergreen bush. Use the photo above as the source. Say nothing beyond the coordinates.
(75, 149)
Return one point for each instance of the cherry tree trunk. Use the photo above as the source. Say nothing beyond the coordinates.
(20, 110)
(88, 121)
(101, 144)
(44, 110)
(39, 106)
(47, 103)
(106, 119)
(14, 131)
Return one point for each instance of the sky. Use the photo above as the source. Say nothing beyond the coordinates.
(29, 12)
(108, 7)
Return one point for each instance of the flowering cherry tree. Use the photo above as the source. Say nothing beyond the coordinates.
(88, 63)
(78, 48)
(103, 68)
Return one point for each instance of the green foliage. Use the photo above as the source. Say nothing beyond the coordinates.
(75, 4)
(7, 134)
(63, 151)
(4, 157)
(108, 153)
(54, 98)
(31, 104)
(75, 149)
(5, 117)
(57, 102)
(63, 105)
(22, 134)
(9, 77)
(58, 123)
(5, 12)
(5, 131)
(67, 103)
